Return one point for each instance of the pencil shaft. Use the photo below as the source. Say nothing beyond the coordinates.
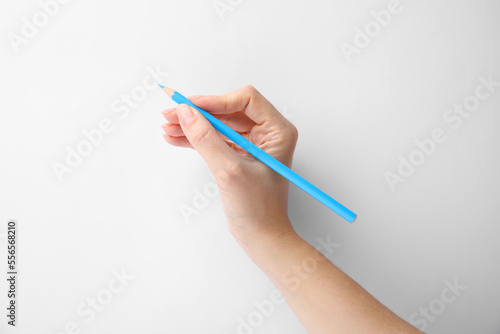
(271, 162)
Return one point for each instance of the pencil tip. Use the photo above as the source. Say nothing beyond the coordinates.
(167, 90)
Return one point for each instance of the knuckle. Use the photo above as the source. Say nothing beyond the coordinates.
(227, 101)
(293, 132)
(203, 137)
(232, 171)
(251, 90)
(289, 133)
(233, 168)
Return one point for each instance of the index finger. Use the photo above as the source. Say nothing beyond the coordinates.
(247, 100)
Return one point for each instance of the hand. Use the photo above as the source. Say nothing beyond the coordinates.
(254, 196)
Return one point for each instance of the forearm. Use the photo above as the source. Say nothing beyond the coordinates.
(324, 298)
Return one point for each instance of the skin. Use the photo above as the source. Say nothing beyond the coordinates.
(323, 298)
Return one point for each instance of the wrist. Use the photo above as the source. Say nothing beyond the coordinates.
(271, 252)
(258, 235)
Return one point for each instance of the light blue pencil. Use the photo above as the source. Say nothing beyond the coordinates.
(274, 164)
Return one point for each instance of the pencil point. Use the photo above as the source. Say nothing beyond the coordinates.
(167, 90)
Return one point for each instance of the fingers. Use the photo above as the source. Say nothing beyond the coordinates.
(171, 115)
(244, 110)
(247, 100)
(239, 122)
(204, 138)
(173, 130)
(184, 142)
(177, 141)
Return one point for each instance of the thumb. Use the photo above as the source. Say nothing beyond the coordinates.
(204, 138)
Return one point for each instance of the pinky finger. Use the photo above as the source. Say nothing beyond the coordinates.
(177, 141)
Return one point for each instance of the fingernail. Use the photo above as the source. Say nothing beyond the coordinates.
(185, 113)
(196, 96)
(168, 111)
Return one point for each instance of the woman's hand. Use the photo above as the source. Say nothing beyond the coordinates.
(254, 197)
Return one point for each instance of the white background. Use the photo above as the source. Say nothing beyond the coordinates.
(119, 208)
